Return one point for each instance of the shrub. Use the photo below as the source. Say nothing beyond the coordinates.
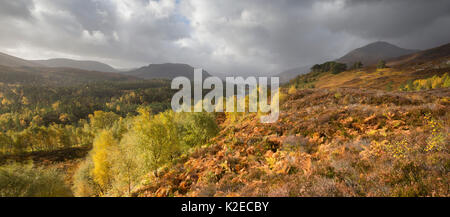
(389, 86)
(83, 181)
(427, 84)
(28, 181)
(292, 90)
(197, 127)
(102, 120)
(437, 140)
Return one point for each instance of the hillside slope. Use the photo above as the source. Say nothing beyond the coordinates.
(55, 71)
(424, 64)
(57, 76)
(287, 75)
(367, 55)
(77, 64)
(346, 136)
(12, 61)
(438, 57)
(342, 142)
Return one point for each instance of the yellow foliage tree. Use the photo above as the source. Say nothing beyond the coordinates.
(428, 83)
(104, 144)
(5, 101)
(25, 100)
(292, 90)
(101, 120)
(56, 105)
(158, 137)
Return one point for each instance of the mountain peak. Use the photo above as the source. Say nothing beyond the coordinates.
(380, 43)
(374, 52)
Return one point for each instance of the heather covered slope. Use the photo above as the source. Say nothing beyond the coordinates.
(367, 55)
(440, 56)
(398, 71)
(351, 133)
(327, 142)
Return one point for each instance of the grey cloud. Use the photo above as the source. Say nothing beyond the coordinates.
(240, 36)
(91, 14)
(389, 20)
(16, 9)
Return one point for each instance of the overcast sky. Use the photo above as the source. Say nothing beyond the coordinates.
(247, 36)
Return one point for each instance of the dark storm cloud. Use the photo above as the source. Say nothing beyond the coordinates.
(239, 36)
(383, 19)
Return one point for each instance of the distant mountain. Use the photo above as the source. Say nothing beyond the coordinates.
(56, 76)
(165, 71)
(287, 75)
(374, 52)
(76, 64)
(120, 70)
(11, 61)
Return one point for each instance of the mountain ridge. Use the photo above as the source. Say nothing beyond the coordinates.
(88, 65)
(374, 52)
(165, 71)
(56, 76)
(12, 61)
